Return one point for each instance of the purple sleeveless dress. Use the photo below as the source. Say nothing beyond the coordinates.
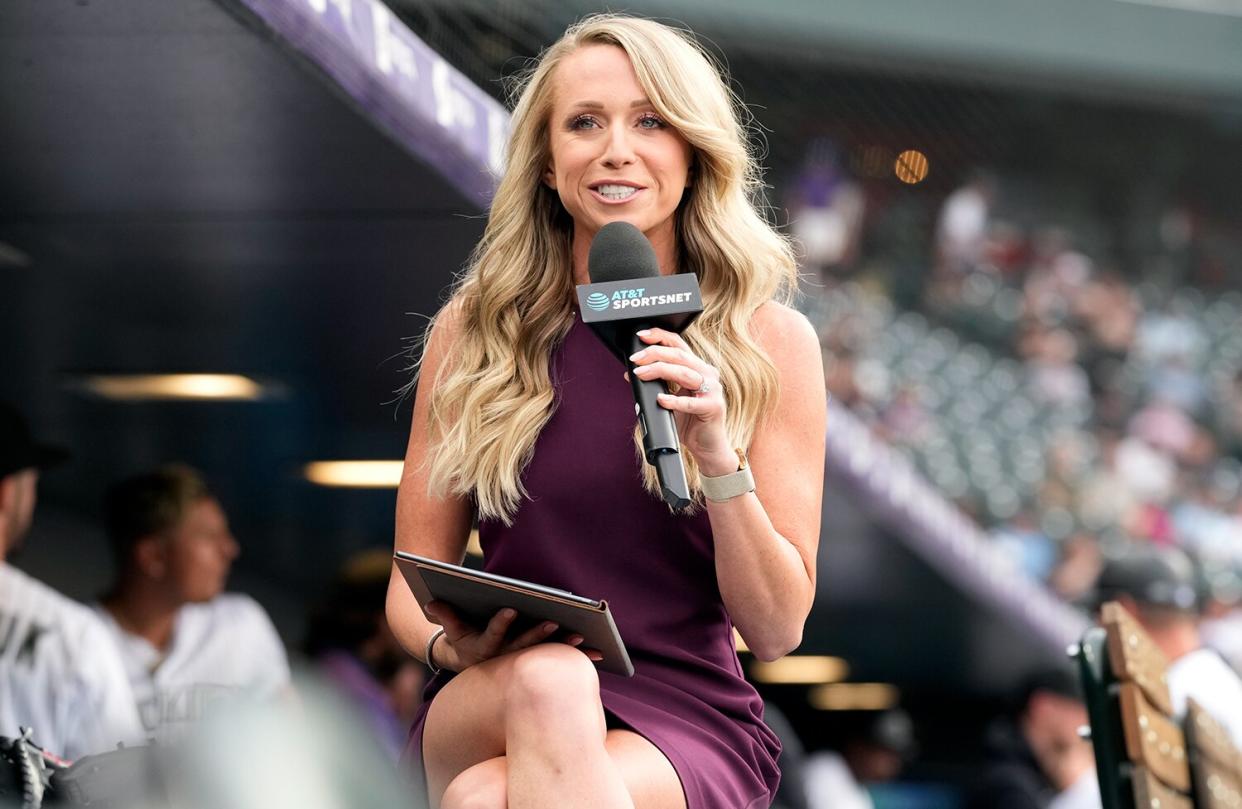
(591, 528)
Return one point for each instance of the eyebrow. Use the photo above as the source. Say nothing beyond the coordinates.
(597, 105)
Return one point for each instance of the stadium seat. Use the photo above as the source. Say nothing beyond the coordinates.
(1140, 750)
(1215, 764)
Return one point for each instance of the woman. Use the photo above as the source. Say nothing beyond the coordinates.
(524, 420)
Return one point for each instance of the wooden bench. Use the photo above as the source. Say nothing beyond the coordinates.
(1215, 764)
(1140, 749)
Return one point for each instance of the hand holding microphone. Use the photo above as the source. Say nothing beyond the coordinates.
(638, 314)
(698, 405)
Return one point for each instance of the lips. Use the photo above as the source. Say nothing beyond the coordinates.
(616, 192)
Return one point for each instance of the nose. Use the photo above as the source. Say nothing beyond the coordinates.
(618, 150)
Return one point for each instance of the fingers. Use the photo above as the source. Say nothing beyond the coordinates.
(688, 378)
(675, 356)
(536, 634)
(657, 336)
(701, 406)
(494, 634)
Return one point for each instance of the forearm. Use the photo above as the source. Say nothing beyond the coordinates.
(764, 579)
(406, 619)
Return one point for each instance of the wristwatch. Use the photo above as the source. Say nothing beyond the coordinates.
(726, 487)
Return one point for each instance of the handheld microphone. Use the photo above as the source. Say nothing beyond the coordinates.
(628, 294)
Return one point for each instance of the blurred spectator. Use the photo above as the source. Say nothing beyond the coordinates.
(1109, 311)
(1053, 373)
(1159, 588)
(186, 644)
(59, 673)
(962, 227)
(873, 754)
(1026, 546)
(352, 646)
(826, 210)
(1077, 568)
(1203, 522)
(1035, 757)
(1148, 474)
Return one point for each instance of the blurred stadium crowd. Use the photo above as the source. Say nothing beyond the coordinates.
(1075, 410)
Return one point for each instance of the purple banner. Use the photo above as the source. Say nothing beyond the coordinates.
(399, 82)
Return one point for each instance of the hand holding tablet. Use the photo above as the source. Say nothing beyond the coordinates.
(475, 600)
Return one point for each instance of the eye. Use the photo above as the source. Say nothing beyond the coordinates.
(651, 121)
(583, 122)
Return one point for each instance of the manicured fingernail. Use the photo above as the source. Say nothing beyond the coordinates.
(548, 626)
(642, 369)
(507, 613)
(638, 355)
(574, 640)
(668, 397)
(644, 333)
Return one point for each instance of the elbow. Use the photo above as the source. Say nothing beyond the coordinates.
(777, 646)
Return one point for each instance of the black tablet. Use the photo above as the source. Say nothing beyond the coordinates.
(477, 596)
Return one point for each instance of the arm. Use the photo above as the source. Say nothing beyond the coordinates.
(766, 541)
(438, 527)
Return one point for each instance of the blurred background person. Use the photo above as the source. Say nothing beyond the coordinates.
(826, 210)
(351, 646)
(185, 642)
(1158, 586)
(874, 751)
(1221, 628)
(59, 673)
(1035, 758)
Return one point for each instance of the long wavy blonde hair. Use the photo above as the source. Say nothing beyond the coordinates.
(513, 303)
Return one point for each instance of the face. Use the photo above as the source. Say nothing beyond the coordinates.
(613, 158)
(200, 551)
(18, 508)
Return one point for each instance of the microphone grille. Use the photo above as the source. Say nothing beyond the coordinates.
(621, 252)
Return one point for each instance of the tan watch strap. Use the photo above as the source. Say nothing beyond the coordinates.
(726, 487)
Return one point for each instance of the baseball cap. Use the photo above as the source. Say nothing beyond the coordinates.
(893, 730)
(1161, 577)
(18, 450)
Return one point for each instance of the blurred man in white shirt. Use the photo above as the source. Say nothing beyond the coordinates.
(186, 643)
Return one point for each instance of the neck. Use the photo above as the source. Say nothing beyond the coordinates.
(1177, 640)
(140, 610)
(663, 240)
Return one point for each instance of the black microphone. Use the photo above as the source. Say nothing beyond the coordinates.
(628, 294)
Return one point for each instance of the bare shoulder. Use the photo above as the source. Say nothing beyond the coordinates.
(786, 335)
(446, 329)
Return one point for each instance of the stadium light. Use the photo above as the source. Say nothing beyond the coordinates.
(355, 474)
(800, 670)
(854, 697)
(156, 387)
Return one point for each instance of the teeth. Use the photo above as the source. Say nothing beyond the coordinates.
(617, 191)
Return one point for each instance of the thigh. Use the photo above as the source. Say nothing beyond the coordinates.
(648, 775)
(467, 721)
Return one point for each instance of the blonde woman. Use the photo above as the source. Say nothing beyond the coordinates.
(525, 421)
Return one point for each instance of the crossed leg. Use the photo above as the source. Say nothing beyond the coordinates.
(527, 730)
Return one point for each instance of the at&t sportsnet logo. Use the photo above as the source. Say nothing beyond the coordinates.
(634, 298)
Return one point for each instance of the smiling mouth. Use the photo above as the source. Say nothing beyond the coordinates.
(616, 193)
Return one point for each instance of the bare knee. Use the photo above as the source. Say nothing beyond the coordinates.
(552, 676)
(479, 787)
